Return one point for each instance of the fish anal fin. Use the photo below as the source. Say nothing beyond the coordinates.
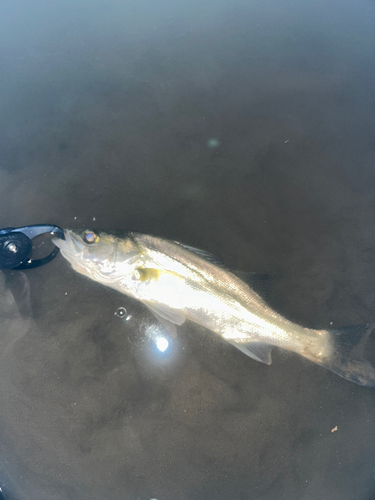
(256, 350)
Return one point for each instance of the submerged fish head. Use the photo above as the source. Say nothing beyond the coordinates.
(100, 256)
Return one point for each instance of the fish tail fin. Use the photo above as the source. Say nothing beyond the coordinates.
(349, 346)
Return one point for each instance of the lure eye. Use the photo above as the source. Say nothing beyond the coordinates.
(90, 237)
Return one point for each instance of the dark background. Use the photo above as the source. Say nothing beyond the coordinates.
(246, 128)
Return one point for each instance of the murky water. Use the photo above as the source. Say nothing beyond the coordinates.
(243, 128)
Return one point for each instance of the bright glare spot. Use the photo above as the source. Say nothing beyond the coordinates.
(162, 343)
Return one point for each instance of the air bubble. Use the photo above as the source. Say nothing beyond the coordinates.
(121, 312)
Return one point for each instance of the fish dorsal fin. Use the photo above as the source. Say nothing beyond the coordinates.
(163, 312)
(256, 350)
(203, 254)
(260, 282)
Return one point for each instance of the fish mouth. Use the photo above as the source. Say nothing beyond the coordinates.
(83, 260)
(72, 248)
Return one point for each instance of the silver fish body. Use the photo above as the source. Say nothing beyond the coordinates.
(179, 283)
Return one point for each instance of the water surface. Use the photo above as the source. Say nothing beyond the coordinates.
(243, 128)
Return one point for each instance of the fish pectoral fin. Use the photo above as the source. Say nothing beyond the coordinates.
(165, 313)
(169, 327)
(256, 350)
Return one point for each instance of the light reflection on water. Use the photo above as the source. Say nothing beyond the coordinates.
(157, 336)
(162, 344)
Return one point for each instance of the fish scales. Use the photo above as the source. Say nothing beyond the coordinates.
(177, 283)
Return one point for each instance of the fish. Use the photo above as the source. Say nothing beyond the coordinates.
(177, 282)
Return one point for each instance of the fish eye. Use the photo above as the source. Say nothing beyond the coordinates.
(90, 237)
